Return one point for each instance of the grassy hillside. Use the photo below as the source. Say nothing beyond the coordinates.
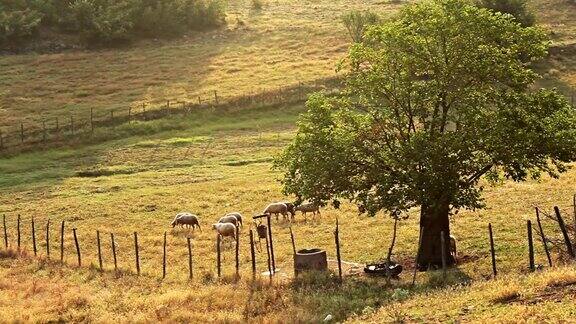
(211, 165)
(285, 42)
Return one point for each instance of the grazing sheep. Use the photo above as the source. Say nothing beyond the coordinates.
(187, 219)
(229, 219)
(453, 246)
(225, 229)
(308, 208)
(291, 209)
(277, 208)
(238, 217)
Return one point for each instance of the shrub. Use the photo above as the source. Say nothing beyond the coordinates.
(18, 24)
(109, 21)
(257, 4)
(356, 23)
(516, 8)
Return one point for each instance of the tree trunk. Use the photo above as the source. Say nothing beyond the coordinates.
(434, 220)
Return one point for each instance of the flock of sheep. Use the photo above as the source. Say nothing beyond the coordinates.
(227, 225)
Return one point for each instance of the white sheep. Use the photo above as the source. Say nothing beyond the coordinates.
(453, 246)
(276, 208)
(238, 217)
(225, 229)
(229, 219)
(187, 219)
(308, 208)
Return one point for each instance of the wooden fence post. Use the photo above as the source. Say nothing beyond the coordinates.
(268, 254)
(530, 246)
(44, 135)
(189, 257)
(92, 120)
(252, 253)
(62, 243)
(216, 97)
(114, 252)
(271, 243)
(492, 250)
(337, 240)
(18, 232)
(72, 124)
(77, 247)
(237, 251)
(57, 127)
(218, 266)
(543, 237)
(22, 132)
(5, 233)
(137, 253)
(417, 256)
(164, 258)
(34, 238)
(573, 198)
(48, 239)
(443, 247)
(99, 250)
(129, 114)
(564, 232)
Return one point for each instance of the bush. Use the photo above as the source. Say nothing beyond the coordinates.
(356, 23)
(109, 21)
(18, 24)
(516, 8)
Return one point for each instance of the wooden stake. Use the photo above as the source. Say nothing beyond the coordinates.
(337, 239)
(215, 96)
(543, 237)
(564, 232)
(269, 260)
(164, 258)
(48, 239)
(22, 132)
(293, 242)
(77, 247)
(72, 124)
(417, 255)
(443, 248)
(114, 252)
(34, 238)
(5, 233)
(18, 232)
(237, 251)
(92, 120)
(62, 243)
(137, 253)
(189, 257)
(252, 253)
(271, 244)
(492, 251)
(530, 246)
(218, 255)
(99, 251)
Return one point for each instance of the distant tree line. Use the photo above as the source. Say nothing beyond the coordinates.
(106, 21)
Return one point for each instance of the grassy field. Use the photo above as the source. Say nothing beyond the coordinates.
(212, 164)
(282, 44)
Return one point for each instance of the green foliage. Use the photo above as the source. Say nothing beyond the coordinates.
(19, 23)
(439, 97)
(516, 8)
(357, 21)
(109, 21)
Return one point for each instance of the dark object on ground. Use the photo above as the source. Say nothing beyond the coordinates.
(394, 269)
(310, 259)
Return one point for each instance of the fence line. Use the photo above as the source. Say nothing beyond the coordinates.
(60, 129)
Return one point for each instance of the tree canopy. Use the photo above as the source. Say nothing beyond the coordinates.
(435, 99)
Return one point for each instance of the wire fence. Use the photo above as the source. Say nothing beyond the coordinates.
(63, 129)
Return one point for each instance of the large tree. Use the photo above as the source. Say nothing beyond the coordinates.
(435, 99)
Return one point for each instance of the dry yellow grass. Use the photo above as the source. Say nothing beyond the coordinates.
(217, 165)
